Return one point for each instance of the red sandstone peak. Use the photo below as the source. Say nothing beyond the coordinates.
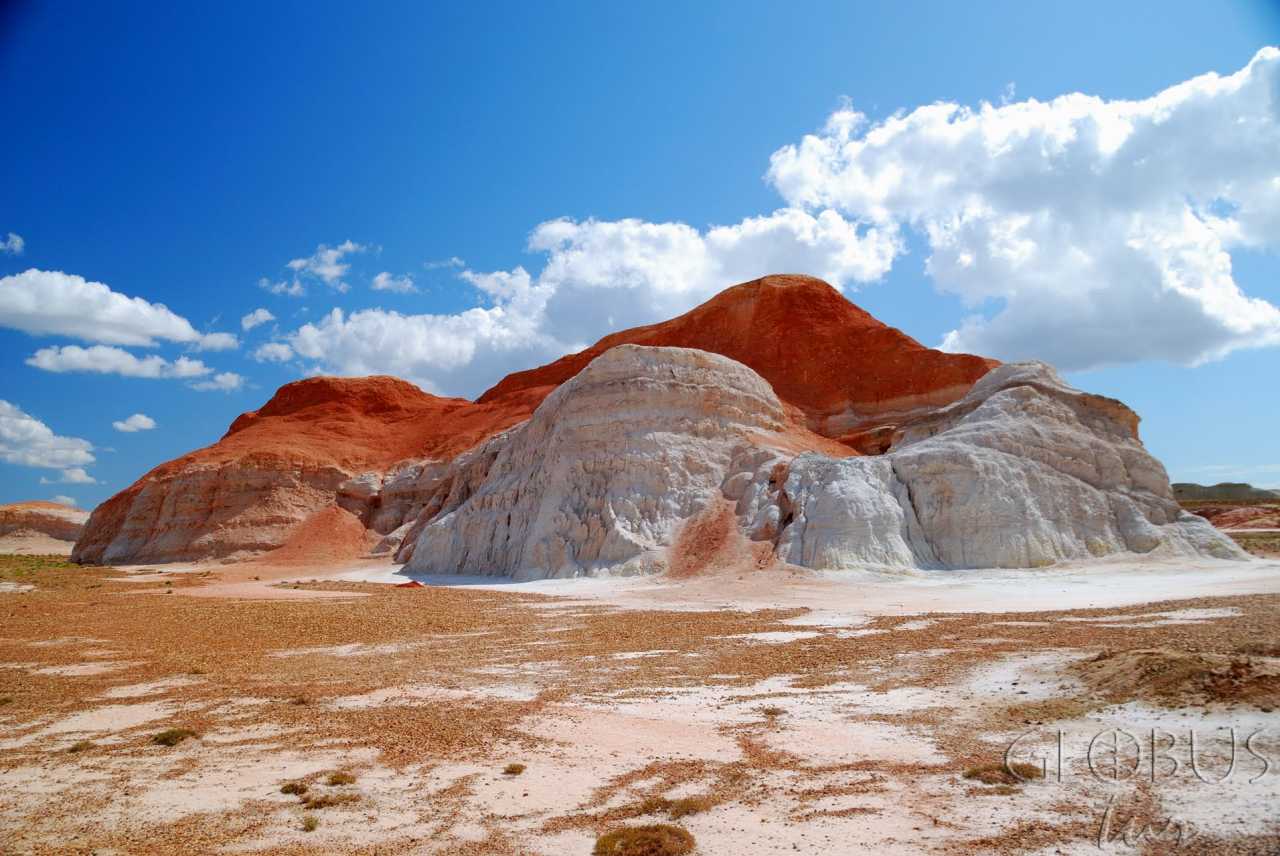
(820, 352)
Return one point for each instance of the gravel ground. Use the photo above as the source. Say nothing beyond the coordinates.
(798, 728)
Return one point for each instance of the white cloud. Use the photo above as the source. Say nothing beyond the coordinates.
(136, 422)
(599, 276)
(1081, 231)
(54, 303)
(256, 318)
(451, 262)
(386, 281)
(27, 441)
(73, 475)
(217, 342)
(326, 265)
(221, 382)
(12, 245)
(1102, 230)
(273, 352)
(289, 288)
(103, 359)
(64, 500)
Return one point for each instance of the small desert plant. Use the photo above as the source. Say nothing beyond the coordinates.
(80, 746)
(172, 736)
(299, 700)
(513, 769)
(1002, 774)
(329, 800)
(310, 822)
(773, 711)
(659, 839)
(341, 777)
(677, 808)
(296, 789)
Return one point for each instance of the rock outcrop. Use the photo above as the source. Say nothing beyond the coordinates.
(60, 522)
(385, 451)
(316, 443)
(1023, 471)
(776, 422)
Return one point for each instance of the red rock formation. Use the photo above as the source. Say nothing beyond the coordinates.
(840, 372)
(841, 367)
(46, 518)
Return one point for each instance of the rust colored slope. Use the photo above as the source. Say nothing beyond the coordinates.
(312, 426)
(821, 353)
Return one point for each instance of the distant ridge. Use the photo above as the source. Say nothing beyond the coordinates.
(1223, 491)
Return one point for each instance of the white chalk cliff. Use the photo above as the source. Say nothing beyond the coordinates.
(1023, 471)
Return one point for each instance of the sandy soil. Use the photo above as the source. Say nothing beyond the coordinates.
(764, 711)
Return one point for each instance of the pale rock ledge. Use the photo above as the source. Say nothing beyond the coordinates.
(1022, 472)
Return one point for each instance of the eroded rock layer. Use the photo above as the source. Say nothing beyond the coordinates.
(44, 518)
(385, 451)
(1023, 471)
(775, 423)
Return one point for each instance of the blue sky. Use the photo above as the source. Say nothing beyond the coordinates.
(185, 156)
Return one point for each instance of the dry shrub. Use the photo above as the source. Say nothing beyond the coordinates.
(659, 839)
(1002, 774)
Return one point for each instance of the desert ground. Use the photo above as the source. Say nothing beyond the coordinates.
(287, 708)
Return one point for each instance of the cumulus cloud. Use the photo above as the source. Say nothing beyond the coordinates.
(386, 281)
(598, 276)
(325, 265)
(217, 342)
(73, 475)
(12, 245)
(273, 352)
(221, 382)
(27, 441)
(1100, 231)
(64, 500)
(44, 302)
(104, 359)
(136, 422)
(1080, 230)
(255, 318)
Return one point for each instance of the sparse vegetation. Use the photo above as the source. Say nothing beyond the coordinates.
(677, 808)
(329, 800)
(513, 769)
(773, 711)
(659, 839)
(340, 777)
(172, 736)
(1002, 774)
(310, 822)
(294, 788)
(1265, 544)
(80, 746)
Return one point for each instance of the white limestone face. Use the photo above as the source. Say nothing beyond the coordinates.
(1022, 472)
(606, 469)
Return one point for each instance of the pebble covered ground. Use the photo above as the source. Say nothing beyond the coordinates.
(396, 720)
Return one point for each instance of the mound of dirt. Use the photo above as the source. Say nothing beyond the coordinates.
(1173, 678)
